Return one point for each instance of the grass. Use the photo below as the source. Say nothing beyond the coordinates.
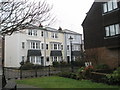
(60, 82)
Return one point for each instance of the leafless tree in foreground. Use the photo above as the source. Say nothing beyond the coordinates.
(16, 15)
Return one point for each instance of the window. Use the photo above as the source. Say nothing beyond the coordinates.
(76, 47)
(60, 59)
(51, 46)
(107, 31)
(32, 59)
(105, 7)
(23, 45)
(35, 59)
(54, 35)
(47, 59)
(47, 46)
(34, 45)
(55, 58)
(112, 30)
(29, 32)
(42, 33)
(42, 46)
(117, 28)
(32, 32)
(67, 47)
(110, 5)
(55, 46)
(38, 59)
(61, 47)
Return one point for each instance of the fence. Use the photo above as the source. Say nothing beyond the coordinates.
(13, 73)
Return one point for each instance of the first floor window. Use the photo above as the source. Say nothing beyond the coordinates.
(42, 46)
(47, 46)
(112, 30)
(34, 45)
(61, 47)
(55, 46)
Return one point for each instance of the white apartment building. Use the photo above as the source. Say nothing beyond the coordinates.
(76, 45)
(39, 45)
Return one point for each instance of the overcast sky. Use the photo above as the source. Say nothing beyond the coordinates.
(70, 13)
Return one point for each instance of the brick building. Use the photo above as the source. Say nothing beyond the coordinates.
(101, 29)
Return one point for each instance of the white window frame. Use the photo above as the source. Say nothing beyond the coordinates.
(112, 30)
(34, 45)
(35, 59)
(42, 46)
(32, 32)
(54, 35)
(109, 6)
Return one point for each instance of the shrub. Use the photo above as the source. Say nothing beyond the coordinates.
(102, 66)
(63, 64)
(79, 63)
(56, 64)
(27, 66)
(80, 73)
(36, 66)
(88, 71)
(114, 78)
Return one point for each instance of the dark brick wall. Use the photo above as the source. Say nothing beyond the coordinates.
(107, 49)
(94, 23)
(105, 56)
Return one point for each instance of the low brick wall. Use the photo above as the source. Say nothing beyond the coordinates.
(97, 77)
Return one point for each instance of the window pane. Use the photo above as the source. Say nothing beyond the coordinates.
(55, 46)
(33, 45)
(105, 7)
(46, 46)
(107, 31)
(115, 4)
(112, 30)
(51, 46)
(67, 47)
(23, 45)
(61, 47)
(42, 33)
(110, 5)
(42, 46)
(117, 29)
(55, 58)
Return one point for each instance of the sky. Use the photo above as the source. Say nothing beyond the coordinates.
(70, 13)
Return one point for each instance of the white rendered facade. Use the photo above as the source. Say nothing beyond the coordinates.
(76, 45)
(38, 45)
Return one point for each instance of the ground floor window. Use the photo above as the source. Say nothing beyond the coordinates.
(35, 59)
(56, 58)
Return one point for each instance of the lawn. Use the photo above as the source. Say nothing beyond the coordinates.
(60, 82)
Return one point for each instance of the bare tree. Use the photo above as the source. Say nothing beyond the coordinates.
(92, 56)
(16, 15)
